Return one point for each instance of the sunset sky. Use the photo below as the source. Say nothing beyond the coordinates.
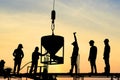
(26, 21)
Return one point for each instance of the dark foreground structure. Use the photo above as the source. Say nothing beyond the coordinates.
(54, 76)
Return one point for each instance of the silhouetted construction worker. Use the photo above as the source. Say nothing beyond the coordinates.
(2, 64)
(35, 57)
(92, 56)
(74, 54)
(106, 56)
(18, 54)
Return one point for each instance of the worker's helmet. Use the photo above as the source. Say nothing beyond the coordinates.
(91, 42)
(2, 61)
(106, 40)
(36, 48)
(73, 43)
(20, 46)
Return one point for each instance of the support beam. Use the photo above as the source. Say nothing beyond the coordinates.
(80, 76)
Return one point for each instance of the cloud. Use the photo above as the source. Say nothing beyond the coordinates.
(111, 6)
(44, 6)
(100, 16)
(87, 14)
(25, 5)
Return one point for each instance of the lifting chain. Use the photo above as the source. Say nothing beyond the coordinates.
(52, 28)
(53, 15)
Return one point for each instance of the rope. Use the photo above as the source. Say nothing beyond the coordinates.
(26, 65)
(53, 4)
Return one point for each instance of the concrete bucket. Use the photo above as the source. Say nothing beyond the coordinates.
(52, 44)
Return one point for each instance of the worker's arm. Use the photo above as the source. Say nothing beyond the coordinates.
(44, 54)
(75, 36)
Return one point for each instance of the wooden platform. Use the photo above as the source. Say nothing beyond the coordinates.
(63, 75)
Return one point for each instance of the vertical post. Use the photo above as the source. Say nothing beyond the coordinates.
(118, 78)
(40, 69)
(8, 78)
(82, 78)
(63, 51)
(111, 77)
(74, 78)
(27, 71)
(41, 51)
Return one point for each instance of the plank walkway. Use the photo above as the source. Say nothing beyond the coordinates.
(63, 75)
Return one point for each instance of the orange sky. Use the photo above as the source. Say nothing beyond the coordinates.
(89, 21)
